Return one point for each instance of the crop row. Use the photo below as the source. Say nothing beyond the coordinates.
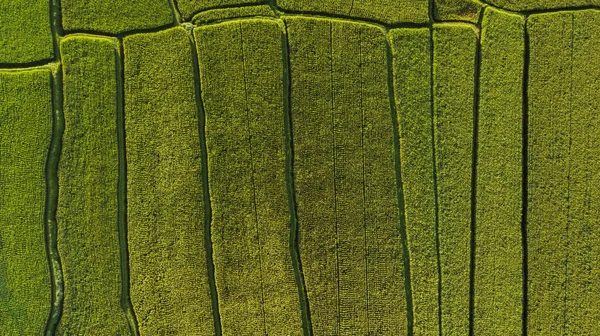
(408, 178)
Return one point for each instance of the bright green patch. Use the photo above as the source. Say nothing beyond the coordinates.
(88, 241)
(453, 94)
(231, 13)
(188, 8)
(525, 5)
(169, 281)
(241, 69)
(498, 266)
(114, 16)
(412, 68)
(25, 132)
(460, 10)
(25, 34)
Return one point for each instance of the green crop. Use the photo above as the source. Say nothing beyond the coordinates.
(242, 89)
(169, 281)
(25, 34)
(453, 95)
(463, 10)
(115, 16)
(188, 8)
(88, 240)
(25, 134)
(412, 69)
(528, 5)
(222, 14)
(345, 182)
(388, 11)
(498, 267)
(562, 227)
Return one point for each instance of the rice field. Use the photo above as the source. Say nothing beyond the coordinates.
(299, 167)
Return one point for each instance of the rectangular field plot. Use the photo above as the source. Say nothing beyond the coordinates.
(563, 181)
(221, 14)
(88, 237)
(188, 8)
(25, 34)
(348, 217)
(453, 98)
(412, 89)
(498, 260)
(115, 16)
(25, 132)
(386, 11)
(168, 268)
(241, 69)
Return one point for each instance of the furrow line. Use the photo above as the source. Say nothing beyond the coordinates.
(291, 189)
(254, 200)
(475, 147)
(400, 191)
(205, 190)
(126, 304)
(50, 225)
(337, 236)
(525, 173)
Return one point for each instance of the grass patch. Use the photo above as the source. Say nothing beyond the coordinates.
(345, 181)
(412, 67)
(25, 33)
(25, 133)
(88, 240)
(222, 14)
(168, 271)
(498, 266)
(387, 11)
(529, 5)
(241, 70)
(453, 77)
(458, 10)
(190, 7)
(114, 16)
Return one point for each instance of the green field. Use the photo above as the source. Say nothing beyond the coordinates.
(300, 167)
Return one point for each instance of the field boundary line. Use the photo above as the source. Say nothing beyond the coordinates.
(400, 189)
(126, 304)
(291, 189)
(205, 187)
(525, 177)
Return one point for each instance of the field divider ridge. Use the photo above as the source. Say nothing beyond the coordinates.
(400, 189)
(524, 177)
(126, 304)
(206, 190)
(474, 159)
(50, 224)
(290, 185)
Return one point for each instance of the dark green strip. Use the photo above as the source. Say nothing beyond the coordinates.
(50, 227)
(400, 190)
(291, 189)
(525, 173)
(474, 176)
(206, 192)
(122, 195)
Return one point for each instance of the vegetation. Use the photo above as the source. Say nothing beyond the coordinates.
(25, 134)
(190, 7)
(241, 76)
(458, 10)
(88, 240)
(115, 16)
(169, 281)
(528, 5)
(563, 149)
(221, 14)
(412, 69)
(347, 206)
(498, 270)
(25, 34)
(453, 100)
(386, 11)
